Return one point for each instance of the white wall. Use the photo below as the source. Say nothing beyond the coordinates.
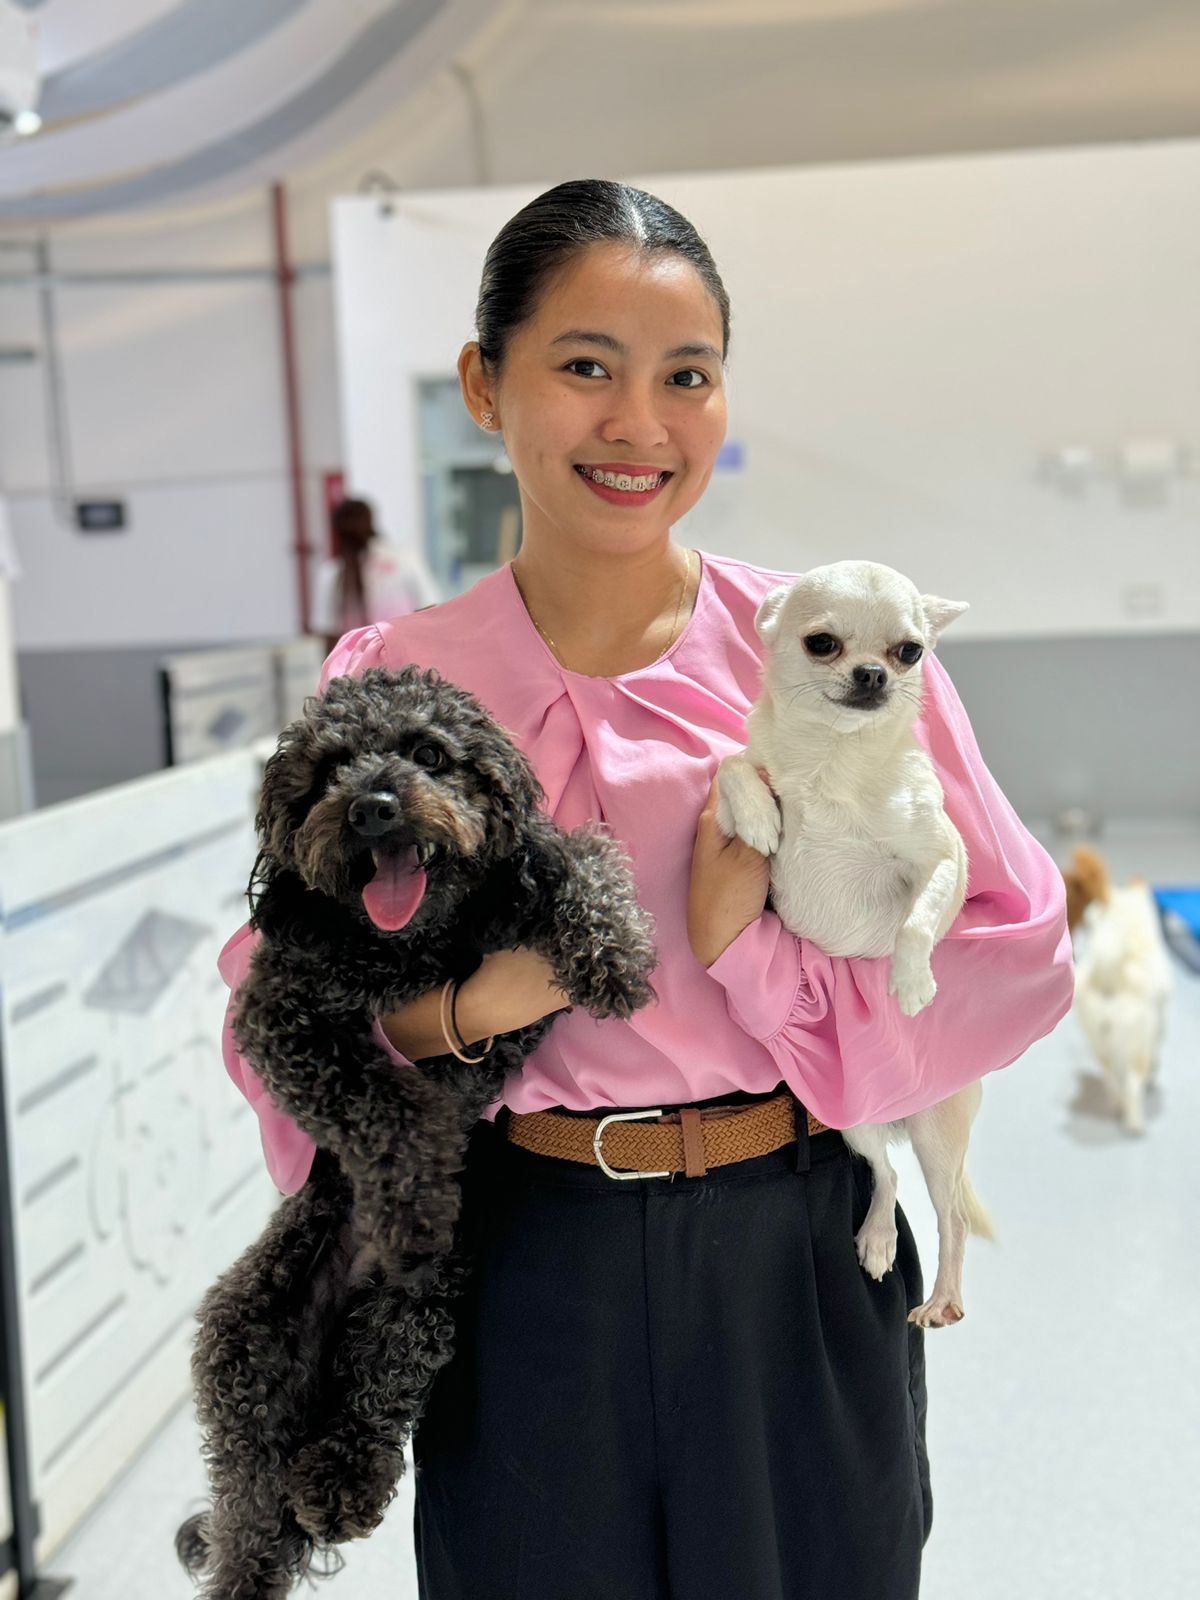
(8, 676)
(908, 339)
(174, 395)
(921, 331)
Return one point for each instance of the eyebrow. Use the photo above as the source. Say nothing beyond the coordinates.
(605, 341)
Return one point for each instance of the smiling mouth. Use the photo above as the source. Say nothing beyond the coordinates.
(627, 482)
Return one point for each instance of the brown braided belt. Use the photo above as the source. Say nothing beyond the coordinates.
(688, 1141)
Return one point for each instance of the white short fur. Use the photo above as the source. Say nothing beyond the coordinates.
(1122, 985)
(864, 860)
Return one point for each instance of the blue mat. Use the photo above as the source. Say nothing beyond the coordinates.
(1180, 912)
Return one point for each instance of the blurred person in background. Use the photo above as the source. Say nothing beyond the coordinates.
(367, 579)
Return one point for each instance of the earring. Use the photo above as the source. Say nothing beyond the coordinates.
(487, 419)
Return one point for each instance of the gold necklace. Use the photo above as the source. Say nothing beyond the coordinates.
(683, 589)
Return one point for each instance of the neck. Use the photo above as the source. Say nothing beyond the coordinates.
(607, 612)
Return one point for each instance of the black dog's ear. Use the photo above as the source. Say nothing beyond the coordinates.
(292, 780)
(513, 789)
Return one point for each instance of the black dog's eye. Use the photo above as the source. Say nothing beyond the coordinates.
(429, 756)
(322, 774)
(821, 644)
(910, 653)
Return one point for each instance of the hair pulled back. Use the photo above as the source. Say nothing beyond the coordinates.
(539, 241)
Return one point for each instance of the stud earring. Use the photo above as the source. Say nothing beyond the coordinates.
(487, 419)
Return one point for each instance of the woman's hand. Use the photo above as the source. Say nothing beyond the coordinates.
(729, 886)
(511, 989)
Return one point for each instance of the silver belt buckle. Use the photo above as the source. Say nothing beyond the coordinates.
(622, 1116)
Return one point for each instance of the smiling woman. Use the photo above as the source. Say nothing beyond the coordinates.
(683, 1268)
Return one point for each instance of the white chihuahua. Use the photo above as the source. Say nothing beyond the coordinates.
(864, 860)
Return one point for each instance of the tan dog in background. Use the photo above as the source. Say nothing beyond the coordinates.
(1122, 980)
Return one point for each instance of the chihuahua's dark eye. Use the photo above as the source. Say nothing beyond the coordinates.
(821, 644)
(910, 653)
(429, 756)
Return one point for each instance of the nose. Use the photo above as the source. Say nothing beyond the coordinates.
(869, 677)
(634, 420)
(373, 815)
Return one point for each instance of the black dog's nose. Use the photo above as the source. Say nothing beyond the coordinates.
(374, 814)
(869, 678)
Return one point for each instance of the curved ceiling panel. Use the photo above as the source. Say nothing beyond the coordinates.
(229, 100)
(378, 44)
(72, 30)
(193, 38)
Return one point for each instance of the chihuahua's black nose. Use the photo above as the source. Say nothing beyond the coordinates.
(869, 678)
(374, 814)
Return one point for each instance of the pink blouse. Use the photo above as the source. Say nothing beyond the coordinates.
(638, 752)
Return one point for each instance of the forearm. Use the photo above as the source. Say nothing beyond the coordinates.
(511, 990)
(843, 1044)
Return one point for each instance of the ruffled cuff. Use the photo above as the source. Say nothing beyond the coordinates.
(762, 974)
(386, 1045)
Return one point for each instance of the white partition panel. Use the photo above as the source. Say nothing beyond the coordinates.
(136, 1170)
(219, 700)
(297, 670)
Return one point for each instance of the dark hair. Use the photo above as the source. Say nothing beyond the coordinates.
(545, 234)
(350, 519)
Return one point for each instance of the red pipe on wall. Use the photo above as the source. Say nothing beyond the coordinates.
(285, 277)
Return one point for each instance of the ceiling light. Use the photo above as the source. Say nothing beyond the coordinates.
(26, 123)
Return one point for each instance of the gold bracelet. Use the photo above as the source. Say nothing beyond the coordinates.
(471, 1061)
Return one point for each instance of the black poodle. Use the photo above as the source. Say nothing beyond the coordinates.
(402, 842)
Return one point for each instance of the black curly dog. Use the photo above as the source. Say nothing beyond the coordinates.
(401, 842)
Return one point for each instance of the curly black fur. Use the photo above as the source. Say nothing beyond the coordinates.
(317, 1349)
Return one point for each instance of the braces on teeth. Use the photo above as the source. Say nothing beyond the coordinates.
(622, 480)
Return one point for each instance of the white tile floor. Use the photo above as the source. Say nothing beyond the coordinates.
(1065, 1411)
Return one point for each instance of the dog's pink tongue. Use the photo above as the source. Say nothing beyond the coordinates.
(395, 892)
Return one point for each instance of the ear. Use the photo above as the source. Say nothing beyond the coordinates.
(766, 618)
(516, 792)
(939, 614)
(285, 781)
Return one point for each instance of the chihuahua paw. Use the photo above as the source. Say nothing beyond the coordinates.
(756, 821)
(746, 807)
(912, 983)
(939, 1311)
(875, 1242)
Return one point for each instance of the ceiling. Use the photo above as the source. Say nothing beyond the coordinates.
(152, 103)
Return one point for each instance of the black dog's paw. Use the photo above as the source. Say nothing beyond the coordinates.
(609, 985)
(340, 1487)
(602, 942)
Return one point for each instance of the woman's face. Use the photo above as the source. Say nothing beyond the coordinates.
(618, 374)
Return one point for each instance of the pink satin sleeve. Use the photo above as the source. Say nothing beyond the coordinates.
(1003, 971)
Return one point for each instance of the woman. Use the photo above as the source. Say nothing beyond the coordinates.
(366, 579)
(684, 1386)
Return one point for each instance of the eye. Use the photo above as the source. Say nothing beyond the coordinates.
(323, 773)
(821, 644)
(909, 653)
(428, 756)
(688, 373)
(586, 361)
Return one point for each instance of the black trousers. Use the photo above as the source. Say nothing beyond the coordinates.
(680, 1389)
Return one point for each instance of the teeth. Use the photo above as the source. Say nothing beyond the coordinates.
(624, 480)
(425, 854)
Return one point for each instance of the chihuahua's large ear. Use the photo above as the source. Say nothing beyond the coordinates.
(766, 618)
(939, 614)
